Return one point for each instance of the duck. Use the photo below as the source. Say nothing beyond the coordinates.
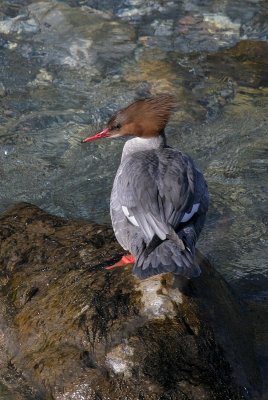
(159, 200)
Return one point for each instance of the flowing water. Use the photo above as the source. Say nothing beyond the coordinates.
(66, 66)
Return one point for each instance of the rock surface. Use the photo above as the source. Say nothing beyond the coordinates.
(72, 330)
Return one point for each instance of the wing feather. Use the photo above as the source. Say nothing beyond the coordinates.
(157, 187)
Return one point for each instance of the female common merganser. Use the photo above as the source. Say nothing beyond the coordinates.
(159, 198)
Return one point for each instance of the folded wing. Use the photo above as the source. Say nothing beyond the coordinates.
(155, 191)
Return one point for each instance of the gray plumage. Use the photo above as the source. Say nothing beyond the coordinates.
(159, 203)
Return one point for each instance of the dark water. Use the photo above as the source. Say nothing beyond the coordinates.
(65, 67)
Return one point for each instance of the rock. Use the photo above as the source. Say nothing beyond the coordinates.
(72, 330)
(76, 37)
(19, 25)
(253, 290)
(79, 37)
(246, 63)
(2, 90)
(207, 32)
(43, 78)
(136, 9)
(223, 23)
(163, 28)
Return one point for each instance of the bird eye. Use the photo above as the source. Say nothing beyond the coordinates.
(117, 126)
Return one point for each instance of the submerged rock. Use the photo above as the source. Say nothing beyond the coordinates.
(19, 25)
(69, 36)
(2, 90)
(71, 329)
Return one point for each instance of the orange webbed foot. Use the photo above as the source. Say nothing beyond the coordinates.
(125, 260)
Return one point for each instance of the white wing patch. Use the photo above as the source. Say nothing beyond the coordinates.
(188, 216)
(131, 218)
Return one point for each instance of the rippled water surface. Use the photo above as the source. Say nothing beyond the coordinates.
(66, 66)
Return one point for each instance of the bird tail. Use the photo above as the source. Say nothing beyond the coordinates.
(170, 255)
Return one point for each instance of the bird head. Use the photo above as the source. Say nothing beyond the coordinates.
(144, 118)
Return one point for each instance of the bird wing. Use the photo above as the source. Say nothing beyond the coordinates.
(156, 190)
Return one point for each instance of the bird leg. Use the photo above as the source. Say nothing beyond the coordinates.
(125, 260)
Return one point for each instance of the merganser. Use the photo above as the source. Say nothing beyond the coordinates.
(159, 198)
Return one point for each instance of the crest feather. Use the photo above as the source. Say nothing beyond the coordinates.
(151, 113)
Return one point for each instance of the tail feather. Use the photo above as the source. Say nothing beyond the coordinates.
(168, 256)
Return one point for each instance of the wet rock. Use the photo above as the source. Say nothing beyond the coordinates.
(77, 33)
(19, 25)
(71, 329)
(246, 63)
(2, 90)
(163, 28)
(136, 9)
(77, 37)
(222, 22)
(43, 78)
(207, 32)
(253, 290)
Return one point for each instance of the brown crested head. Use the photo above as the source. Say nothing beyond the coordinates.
(144, 118)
